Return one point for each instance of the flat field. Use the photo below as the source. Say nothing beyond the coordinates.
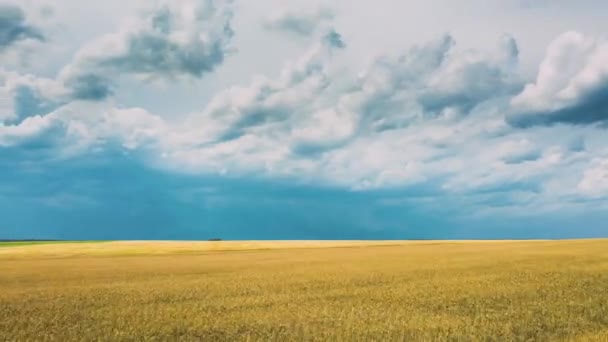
(284, 291)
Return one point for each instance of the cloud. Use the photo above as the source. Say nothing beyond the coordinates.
(35, 130)
(27, 95)
(270, 104)
(172, 40)
(429, 81)
(92, 87)
(14, 27)
(334, 39)
(465, 80)
(571, 86)
(508, 50)
(577, 144)
(594, 182)
(518, 151)
(428, 118)
(421, 129)
(81, 126)
(306, 23)
(188, 38)
(28, 102)
(393, 125)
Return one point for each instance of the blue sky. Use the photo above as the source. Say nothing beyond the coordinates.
(193, 119)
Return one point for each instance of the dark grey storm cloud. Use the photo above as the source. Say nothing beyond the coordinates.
(14, 28)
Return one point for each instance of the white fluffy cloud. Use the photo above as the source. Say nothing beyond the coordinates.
(594, 182)
(170, 40)
(23, 95)
(79, 127)
(571, 86)
(30, 128)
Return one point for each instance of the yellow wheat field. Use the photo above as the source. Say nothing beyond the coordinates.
(293, 291)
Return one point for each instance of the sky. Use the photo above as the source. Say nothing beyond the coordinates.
(268, 119)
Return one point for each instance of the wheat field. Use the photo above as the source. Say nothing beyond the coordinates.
(305, 291)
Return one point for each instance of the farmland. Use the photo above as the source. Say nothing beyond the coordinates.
(331, 291)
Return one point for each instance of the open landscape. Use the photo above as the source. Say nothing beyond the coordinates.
(232, 170)
(277, 291)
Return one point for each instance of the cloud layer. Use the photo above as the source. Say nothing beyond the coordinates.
(437, 120)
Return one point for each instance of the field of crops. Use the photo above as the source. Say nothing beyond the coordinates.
(332, 291)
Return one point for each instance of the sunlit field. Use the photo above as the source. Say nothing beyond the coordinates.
(283, 291)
